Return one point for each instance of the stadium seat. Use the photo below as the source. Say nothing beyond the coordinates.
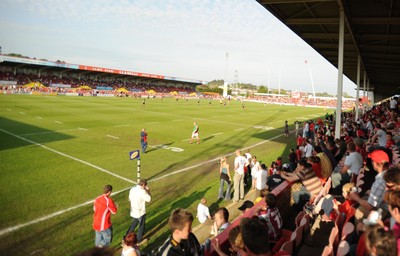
(328, 251)
(347, 231)
(343, 248)
(288, 247)
(297, 237)
(298, 218)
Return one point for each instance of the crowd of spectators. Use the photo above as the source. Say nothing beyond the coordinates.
(302, 101)
(53, 83)
(349, 199)
(67, 83)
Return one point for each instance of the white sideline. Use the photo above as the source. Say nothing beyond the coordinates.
(68, 156)
(19, 226)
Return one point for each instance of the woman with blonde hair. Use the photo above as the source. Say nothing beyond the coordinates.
(225, 177)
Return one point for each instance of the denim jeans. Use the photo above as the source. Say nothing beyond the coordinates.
(221, 190)
(141, 221)
(103, 238)
(144, 147)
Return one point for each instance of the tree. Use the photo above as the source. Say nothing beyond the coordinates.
(262, 89)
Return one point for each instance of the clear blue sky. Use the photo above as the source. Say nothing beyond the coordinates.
(181, 38)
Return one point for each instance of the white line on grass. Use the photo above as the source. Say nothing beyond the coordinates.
(11, 229)
(212, 160)
(68, 156)
(19, 226)
(58, 122)
(22, 113)
(39, 117)
(217, 133)
(114, 137)
(83, 129)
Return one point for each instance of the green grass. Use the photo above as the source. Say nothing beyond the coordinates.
(41, 141)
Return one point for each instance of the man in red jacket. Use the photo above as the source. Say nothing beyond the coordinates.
(103, 207)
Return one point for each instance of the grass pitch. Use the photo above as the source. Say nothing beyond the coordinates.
(58, 152)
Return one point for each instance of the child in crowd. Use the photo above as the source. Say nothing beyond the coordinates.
(389, 140)
(263, 193)
(299, 153)
(279, 161)
(203, 212)
(235, 240)
(272, 169)
(346, 207)
(182, 240)
(270, 213)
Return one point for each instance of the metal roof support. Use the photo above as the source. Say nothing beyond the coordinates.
(338, 123)
(358, 86)
(365, 91)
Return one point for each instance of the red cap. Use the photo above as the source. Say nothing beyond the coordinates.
(379, 156)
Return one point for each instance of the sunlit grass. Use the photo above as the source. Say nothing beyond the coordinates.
(56, 152)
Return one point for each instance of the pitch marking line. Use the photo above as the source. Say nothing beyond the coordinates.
(19, 226)
(176, 120)
(39, 117)
(114, 137)
(22, 113)
(8, 230)
(83, 129)
(14, 228)
(58, 122)
(217, 133)
(70, 157)
(212, 160)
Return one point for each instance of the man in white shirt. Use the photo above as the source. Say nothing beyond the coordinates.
(238, 179)
(308, 149)
(380, 136)
(139, 196)
(352, 165)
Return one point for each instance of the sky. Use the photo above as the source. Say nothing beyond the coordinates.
(181, 38)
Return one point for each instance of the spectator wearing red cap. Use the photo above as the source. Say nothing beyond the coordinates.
(380, 160)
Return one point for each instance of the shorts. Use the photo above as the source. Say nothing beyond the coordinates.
(195, 135)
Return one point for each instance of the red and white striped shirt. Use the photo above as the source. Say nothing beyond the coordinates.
(103, 207)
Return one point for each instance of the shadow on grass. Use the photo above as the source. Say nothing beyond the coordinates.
(26, 131)
(161, 220)
(157, 147)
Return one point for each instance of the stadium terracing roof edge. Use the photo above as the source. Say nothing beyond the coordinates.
(28, 61)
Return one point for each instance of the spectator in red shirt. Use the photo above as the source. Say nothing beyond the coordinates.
(389, 140)
(103, 207)
(299, 140)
